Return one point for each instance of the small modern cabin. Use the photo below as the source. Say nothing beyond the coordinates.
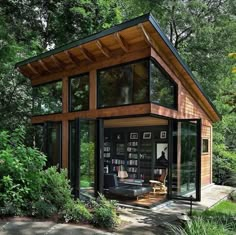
(123, 102)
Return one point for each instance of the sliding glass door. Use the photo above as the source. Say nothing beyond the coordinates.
(185, 164)
(84, 156)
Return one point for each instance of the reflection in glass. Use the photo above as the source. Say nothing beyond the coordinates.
(125, 84)
(205, 146)
(83, 169)
(47, 98)
(49, 144)
(38, 137)
(53, 149)
(162, 89)
(79, 93)
(184, 171)
(87, 156)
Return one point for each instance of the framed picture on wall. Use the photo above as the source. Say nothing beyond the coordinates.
(133, 136)
(162, 151)
(163, 135)
(147, 135)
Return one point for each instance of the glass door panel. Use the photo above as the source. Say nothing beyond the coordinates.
(186, 159)
(87, 137)
(85, 162)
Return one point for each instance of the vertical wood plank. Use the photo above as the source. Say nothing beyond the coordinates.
(65, 95)
(93, 90)
(65, 143)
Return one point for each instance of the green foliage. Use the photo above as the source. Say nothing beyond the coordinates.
(105, 215)
(20, 172)
(56, 187)
(232, 196)
(225, 207)
(75, 211)
(218, 220)
(43, 208)
(224, 166)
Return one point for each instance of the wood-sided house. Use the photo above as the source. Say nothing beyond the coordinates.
(122, 100)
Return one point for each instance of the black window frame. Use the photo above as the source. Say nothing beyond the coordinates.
(42, 84)
(77, 76)
(168, 77)
(146, 59)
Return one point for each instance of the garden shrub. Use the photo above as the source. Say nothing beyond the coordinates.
(20, 173)
(76, 211)
(43, 209)
(105, 215)
(56, 187)
(224, 166)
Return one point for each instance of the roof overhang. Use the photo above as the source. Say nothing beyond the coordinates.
(133, 35)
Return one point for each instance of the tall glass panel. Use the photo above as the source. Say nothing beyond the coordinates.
(87, 156)
(82, 156)
(47, 98)
(124, 84)
(53, 145)
(185, 167)
(79, 93)
(162, 89)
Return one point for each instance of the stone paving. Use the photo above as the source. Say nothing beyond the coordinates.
(137, 221)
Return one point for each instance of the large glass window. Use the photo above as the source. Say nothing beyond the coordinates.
(122, 85)
(79, 93)
(162, 89)
(47, 98)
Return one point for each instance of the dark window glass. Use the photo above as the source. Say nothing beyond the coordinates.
(126, 84)
(47, 98)
(205, 146)
(47, 138)
(53, 146)
(38, 137)
(79, 93)
(162, 89)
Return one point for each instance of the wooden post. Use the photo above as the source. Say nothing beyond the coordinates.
(65, 96)
(65, 143)
(93, 90)
(65, 123)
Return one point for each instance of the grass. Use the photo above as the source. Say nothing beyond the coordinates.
(225, 207)
(219, 220)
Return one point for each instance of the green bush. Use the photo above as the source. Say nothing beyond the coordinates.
(224, 166)
(105, 215)
(56, 188)
(75, 211)
(43, 209)
(20, 173)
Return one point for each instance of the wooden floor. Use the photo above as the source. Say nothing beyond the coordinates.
(147, 201)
